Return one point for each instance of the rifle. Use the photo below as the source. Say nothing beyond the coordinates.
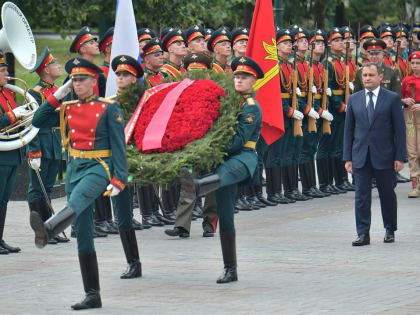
(357, 48)
(326, 129)
(347, 74)
(311, 121)
(297, 125)
(397, 65)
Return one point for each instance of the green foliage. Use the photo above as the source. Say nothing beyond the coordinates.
(202, 155)
(129, 99)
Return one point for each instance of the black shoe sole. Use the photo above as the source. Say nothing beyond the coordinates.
(37, 224)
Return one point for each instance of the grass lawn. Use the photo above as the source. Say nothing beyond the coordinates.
(59, 49)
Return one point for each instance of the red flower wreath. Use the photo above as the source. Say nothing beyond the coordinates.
(193, 115)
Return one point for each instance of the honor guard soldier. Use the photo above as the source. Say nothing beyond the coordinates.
(416, 39)
(366, 32)
(209, 31)
(163, 34)
(219, 44)
(194, 38)
(9, 160)
(400, 46)
(240, 165)
(197, 61)
(105, 46)
(410, 95)
(144, 35)
(174, 44)
(44, 151)
(153, 61)
(240, 38)
(280, 154)
(86, 45)
(387, 36)
(97, 163)
(337, 107)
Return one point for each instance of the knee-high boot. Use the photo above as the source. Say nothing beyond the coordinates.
(228, 243)
(90, 275)
(129, 243)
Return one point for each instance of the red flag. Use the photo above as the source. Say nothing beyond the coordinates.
(262, 47)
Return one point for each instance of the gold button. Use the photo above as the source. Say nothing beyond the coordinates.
(73, 131)
(97, 115)
(78, 105)
(91, 130)
(91, 103)
(69, 116)
(68, 107)
(90, 143)
(74, 144)
(103, 105)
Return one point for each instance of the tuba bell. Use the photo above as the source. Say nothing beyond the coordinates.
(16, 37)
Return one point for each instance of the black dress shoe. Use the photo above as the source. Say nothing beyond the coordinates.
(247, 205)
(273, 199)
(208, 230)
(52, 241)
(164, 220)
(101, 227)
(322, 193)
(283, 199)
(97, 233)
(311, 193)
(361, 240)
(328, 190)
(389, 236)
(145, 225)
(178, 231)
(3, 251)
(348, 186)
(263, 200)
(258, 202)
(253, 203)
(229, 275)
(137, 225)
(152, 220)
(11, 249)
(296, 195)
(401, 179)
(111, 227)
(61, 239)
(338, 189)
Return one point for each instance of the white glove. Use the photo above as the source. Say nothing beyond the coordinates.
(114, 190)
(351, 86)
(329, 93)
(63, 90)
(327, 115)
(297, 115)
(35, 163)
(314, 90)
(313, 114)
(20, 112)
(298, 91)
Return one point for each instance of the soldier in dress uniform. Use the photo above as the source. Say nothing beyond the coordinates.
(366, 32)
(410, 95)
(153, 61)
(416, 40)
(174, 44)
(401, 44)
(44, 151)
(240, 165)
(279, 156)
(105, 46)
(209, 31)
(387, 35)
(194, 38)
(96, 146)
(240, 37)
(85, 44)
(9, 160)
(219, 44)
(144, 35)
(163, 34)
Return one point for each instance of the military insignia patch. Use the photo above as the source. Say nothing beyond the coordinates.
(250, 118)
(119, 118)
(76, 61)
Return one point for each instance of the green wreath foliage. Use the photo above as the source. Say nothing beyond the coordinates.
(201, 155)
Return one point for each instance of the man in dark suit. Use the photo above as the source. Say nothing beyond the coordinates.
(374, 145)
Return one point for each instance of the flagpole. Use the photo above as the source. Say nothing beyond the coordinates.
(278, 12)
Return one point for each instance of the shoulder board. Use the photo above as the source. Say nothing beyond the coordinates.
(70, 102)
(108, 100)
(250, 101)
(37, 88)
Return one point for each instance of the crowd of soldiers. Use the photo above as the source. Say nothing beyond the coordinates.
(318, 71)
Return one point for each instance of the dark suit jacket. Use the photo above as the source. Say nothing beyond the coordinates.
(384, 137)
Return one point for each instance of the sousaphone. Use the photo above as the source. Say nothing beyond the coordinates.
(16, 37)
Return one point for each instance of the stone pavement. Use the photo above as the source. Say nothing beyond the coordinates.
(294, 259)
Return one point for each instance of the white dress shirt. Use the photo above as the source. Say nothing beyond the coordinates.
(374, 96)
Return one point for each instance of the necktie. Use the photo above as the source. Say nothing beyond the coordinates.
(370, 108)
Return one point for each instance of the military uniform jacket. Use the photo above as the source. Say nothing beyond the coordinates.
(303, 77)
(7, 118)
(152, 78)
(219, 68)
(391, 80)
(286, 72)
(173, 71)
(93, 124)
(105, 69)
(247, 131)
(336, 82)
(47, 143)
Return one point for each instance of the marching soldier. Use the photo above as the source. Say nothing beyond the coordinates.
(144, 35)
(9, 160)
(174, 44)
(219, 44)
(194, 38)
(85, 44)
(240, 165)
(366, 32)
(411, 100)
(105, 46)
(44, 151)
(97, 163)
(153, 62)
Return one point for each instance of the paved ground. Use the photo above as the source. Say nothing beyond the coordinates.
(295, 259)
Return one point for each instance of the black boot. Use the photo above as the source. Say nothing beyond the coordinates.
(41, 206)
(142, 205)
(296, 195)
(270, 186)
(4, 247)
(129, 243)
(149, 217)
(52, 227)
(192, 188)
(90, 275)
(228, 242)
